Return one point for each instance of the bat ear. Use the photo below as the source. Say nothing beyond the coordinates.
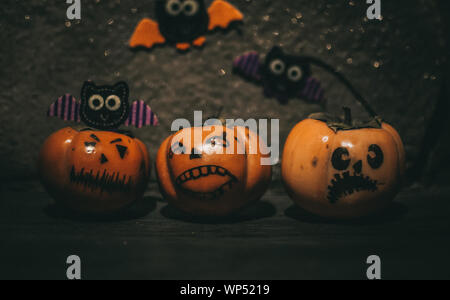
(88, 88)
(276, 50)
(122, 89)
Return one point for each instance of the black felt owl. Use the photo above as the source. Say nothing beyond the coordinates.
(183, 23)
(283, 76)
(103, 107)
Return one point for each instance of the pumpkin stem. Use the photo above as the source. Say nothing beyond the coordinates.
(348, 116)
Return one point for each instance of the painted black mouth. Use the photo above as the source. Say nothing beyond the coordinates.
(105, 181)
(205, 171)
(347, 184)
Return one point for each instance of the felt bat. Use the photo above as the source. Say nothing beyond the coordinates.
(104, 108)
(183, 23)
(282, 76)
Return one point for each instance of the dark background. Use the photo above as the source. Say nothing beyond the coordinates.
(400, 64)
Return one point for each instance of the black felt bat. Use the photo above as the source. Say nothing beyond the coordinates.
(104, 108)
(282, 76)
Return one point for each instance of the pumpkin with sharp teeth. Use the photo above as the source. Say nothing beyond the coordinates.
(342, 169)
(210, 171)
(94, 171)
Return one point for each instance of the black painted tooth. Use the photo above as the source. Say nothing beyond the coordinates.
(346, 174)
(337, 176)
(196, 173)
(221, 171)
(204, 171)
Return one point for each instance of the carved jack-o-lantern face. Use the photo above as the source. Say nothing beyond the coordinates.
(94, 171)
(212, 174)
(343, 173)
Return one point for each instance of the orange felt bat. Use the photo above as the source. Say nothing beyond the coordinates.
(183, 23)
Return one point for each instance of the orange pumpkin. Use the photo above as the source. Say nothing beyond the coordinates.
(342, 170)
(207, 182)
(94, 171)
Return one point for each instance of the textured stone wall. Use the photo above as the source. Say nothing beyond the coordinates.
(395, 63)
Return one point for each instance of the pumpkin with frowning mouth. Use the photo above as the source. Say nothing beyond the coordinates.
(201, 176)
(342, 169)
(92, 171)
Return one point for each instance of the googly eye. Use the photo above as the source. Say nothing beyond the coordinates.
(295, 73)
(174, 7)
(277, 66)
(96, 102)
(113, 103)
(190, 7)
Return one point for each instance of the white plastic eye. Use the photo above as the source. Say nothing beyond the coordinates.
(295, 73)
(277, 66)
(96, 102)
(174, 7)
(190, 7)
(113, 103)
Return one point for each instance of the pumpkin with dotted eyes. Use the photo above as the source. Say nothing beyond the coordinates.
(210, 171)
(94, 171)
(342, 170)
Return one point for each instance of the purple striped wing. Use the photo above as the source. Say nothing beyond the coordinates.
(66, 108)
(141, 115)
(312, 90)
(248, 65)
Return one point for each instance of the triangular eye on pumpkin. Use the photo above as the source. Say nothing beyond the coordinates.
(86, 173)
(122, 150)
